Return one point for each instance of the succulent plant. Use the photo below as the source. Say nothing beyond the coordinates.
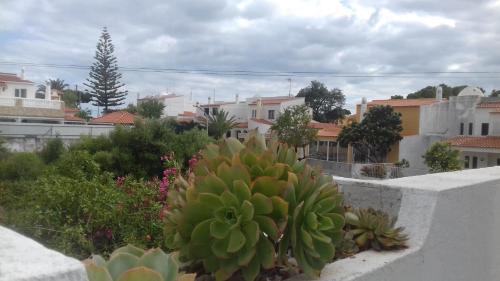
(231, 213)
(130, 263)
(375, 229)
(316, 221)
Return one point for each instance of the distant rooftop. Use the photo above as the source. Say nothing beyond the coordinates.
(272, 100)
(11, 77)
(403, 102)
(117, 117)
(476, 141)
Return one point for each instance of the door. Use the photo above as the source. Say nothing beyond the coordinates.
(474, 162)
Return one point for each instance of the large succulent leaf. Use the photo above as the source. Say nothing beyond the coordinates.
(130, 249)
(160, 262)
(97, 273)
(119, 263)
(140, 274)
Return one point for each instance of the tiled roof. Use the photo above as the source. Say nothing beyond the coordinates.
(117, 117)
(187, 114)
(326, 130)
(403, 102)
(477, 142)
(243, 125)
(262, 121)
(71, 110)
(489, 105)
(10, 77)
(271, 101)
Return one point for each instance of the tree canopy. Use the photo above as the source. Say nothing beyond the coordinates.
(327, 105)
(372, 138)
(441, 157)
(219, 123)
(104, 79)
(430, 92)
(152, 109)
(292, 126)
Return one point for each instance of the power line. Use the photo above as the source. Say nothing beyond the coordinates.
(255, 73)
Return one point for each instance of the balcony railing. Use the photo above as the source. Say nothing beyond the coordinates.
(32, 103)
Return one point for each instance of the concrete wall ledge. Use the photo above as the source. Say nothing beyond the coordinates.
(23, 259)
(453, 220)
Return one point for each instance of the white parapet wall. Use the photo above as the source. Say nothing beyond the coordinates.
(22, 259)
(453, 220)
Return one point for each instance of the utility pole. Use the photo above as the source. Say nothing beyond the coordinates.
(78, 99)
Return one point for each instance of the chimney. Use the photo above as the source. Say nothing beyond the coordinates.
(439, 93)
(48, 91)
(363, 108)
(22, 73)
(237, 98)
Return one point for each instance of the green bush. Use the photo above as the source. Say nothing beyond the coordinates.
(136, 150)
(441, 157)
(77, 164)
(80, 216)
(53, 149)
(21, 165)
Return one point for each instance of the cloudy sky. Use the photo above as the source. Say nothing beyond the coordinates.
(396, 41)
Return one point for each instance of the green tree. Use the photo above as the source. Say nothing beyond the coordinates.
(495, 93)
(131, 108)
(430, 92)
(3, 148)
(152, 109)
(104, 79)
(327, 105)
(373, 136)
(292, 126)
(57, 84)
(441, 157)
(84, 114)
(397, 97)
(219, 123)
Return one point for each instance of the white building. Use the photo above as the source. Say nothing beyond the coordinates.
(18, 101)
(253, 113)
(469, 121)
(178, 106)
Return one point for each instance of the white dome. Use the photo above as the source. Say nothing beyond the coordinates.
(471, 91)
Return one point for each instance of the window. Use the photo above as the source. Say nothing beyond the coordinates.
(254, 113)
(20, 93)
(485, 127)
(207, 110)
(215, 110)
(270, 114)
(474, 162)
(466, 162)
(461, 128)
(498, 161)
(470, 129)
(228, 134)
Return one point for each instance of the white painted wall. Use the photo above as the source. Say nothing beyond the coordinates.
(238, 110)
(9, 91)
(412, 148)
(451, 219)
(177, 105)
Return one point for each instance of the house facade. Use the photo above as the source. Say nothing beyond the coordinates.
(18, 102)
(256, 113)
(180, 107)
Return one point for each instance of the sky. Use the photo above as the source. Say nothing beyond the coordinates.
(376, 48)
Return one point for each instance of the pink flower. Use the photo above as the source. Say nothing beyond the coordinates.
(109, 234)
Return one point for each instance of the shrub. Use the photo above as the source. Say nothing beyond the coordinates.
(79, 216)
(232, 211)
(53, 149)
(77, 164)
(441, 157)
(374, 171)
(21, 165)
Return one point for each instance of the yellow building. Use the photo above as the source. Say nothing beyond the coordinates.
(410, 117)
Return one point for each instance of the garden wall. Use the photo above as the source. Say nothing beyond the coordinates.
(453, 220)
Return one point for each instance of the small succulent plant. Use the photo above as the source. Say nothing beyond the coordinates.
(316, 221)
(130, 263)
(375, 229)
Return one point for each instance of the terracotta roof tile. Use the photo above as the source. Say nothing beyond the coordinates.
(73, 118)
(262, 121)
(71, 110)
(10, 77)
(187, 114)
(477, 142)
(403, 102)
(117, 117)
(243, 125)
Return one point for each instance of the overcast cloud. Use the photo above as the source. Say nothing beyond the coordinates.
(362, 36)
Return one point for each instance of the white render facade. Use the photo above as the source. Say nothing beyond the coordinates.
(256, 113)
(175, 105)
(469, 121)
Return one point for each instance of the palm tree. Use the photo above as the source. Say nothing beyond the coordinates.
(57, 84)
(219, 124)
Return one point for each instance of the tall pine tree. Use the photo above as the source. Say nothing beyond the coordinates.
(104, 79)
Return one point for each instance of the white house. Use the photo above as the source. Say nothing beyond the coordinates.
(253, 113)
(469, 121)
(18, 101)
(178, 106)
